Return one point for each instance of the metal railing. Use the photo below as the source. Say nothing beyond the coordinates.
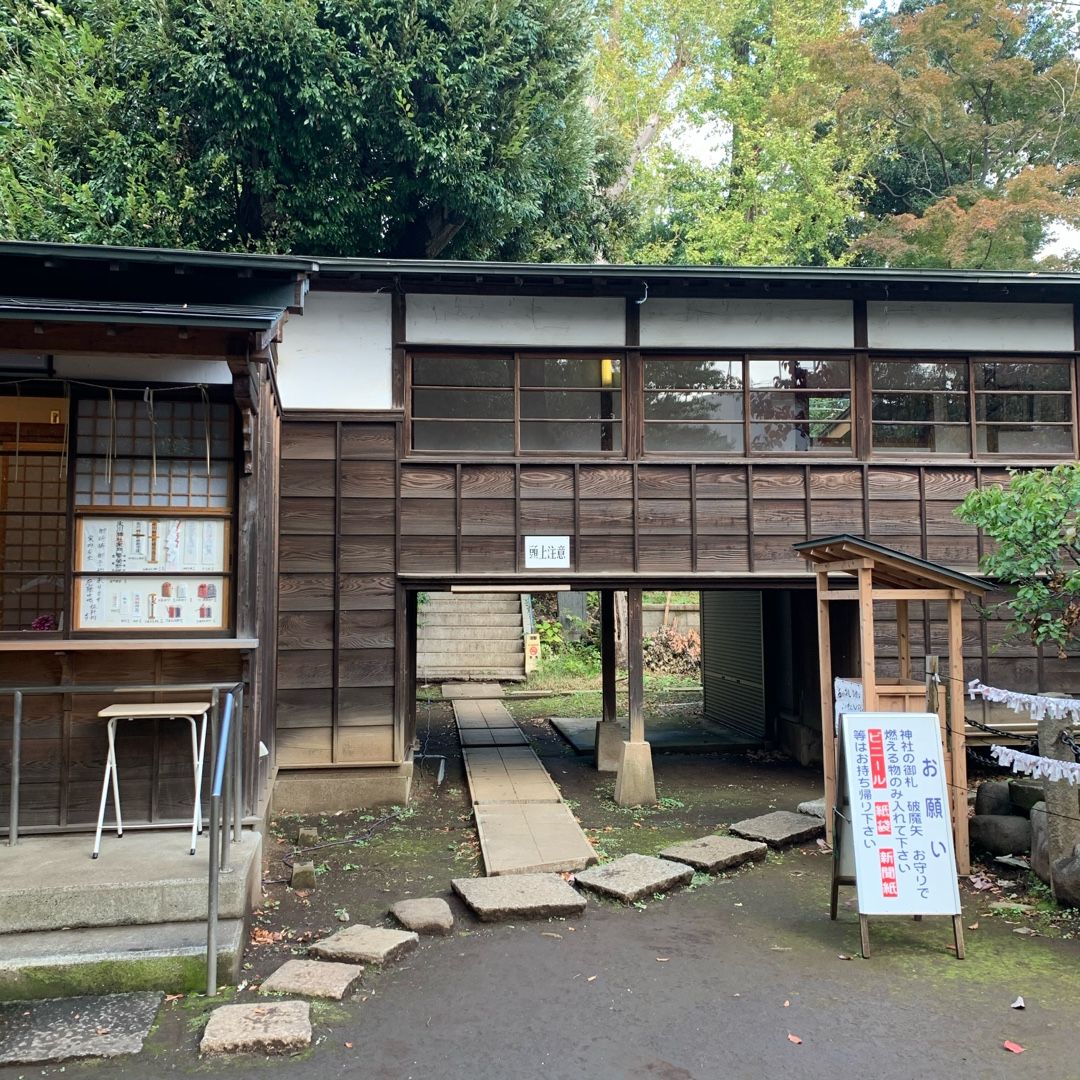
(227, 790)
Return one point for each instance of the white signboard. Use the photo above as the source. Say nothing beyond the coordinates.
(898, 814)
(148, 602)
(547, 552)
(151, 545)
(847, 697)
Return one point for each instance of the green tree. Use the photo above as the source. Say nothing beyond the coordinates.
(1033, 523)
(377, 127)
(981, 99)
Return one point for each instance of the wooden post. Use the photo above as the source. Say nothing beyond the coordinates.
(903, 638)
(607, 654)
(635, 665)
(867, 670)
(828, 731)
(957, 734)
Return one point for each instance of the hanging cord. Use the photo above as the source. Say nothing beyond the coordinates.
(110, 446)
(18, 436)
(148, 397)
(65, 453)
(206, 428)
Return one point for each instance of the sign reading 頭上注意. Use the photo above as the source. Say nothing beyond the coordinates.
(547, 552)
(896, 825)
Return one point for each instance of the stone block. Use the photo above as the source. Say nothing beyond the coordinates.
(264, 1027)
(313, 978)
(1024, 794)
(303, 875)
(519, 896)
(609, 740)
(993, 798)
(362, 944)
(813, 808)
(715, 853)
(1065, 879)
(430, 915)
(307, 836)
(1040, 843)
(1000, 834)
(62, 1029)
(780, 828)
(634, 876)
(634, 782)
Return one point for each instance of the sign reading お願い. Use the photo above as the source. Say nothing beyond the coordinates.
(893, 836)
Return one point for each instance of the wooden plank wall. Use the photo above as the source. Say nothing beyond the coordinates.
(64, 743)
(339, 610)
(676, 518)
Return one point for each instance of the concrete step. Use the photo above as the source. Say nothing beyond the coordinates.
(430, 619)
(469, 633)
(145, 878)
(111, 959)
(456, 673)
(469, 651)
(470, 604)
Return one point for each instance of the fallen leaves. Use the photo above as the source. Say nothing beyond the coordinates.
(591, 978)
(348, 1046)
(550, 933)
(1013, 1048)
(259, 936)
(662, 959)
(103, 1031)
(794, 1039)
(974, 925)
(844, 956)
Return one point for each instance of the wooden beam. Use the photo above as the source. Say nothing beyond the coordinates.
(635, 665)
(957, 748)
(866, 641)
(608, 671)
(903, 638)
(828, 732)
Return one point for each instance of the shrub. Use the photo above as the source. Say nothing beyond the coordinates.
(671, 652)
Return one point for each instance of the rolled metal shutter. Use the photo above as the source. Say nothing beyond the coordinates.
(732, 661)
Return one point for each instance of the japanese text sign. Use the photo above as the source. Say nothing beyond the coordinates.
(898, 802)
(552, 552)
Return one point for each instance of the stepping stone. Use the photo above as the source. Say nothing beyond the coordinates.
(264, 1027)
(519, 896)
(362, 944)
(312, 978)
(430, 915)
(713, 853)
(100, 1026)
(815, 808)
(459, 691)
(634, 876)
(779, 828)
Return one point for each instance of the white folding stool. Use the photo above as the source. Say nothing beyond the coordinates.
(169, 710)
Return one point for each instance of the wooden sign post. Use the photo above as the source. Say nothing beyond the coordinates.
(893, 836)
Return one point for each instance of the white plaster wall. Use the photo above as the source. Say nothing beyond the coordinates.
(142, 369)
(973, 327)
(337, 355)
(749, 324)
(546, 321)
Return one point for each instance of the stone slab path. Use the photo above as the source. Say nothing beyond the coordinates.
(580, 733)
(780, 828)
(524, 825)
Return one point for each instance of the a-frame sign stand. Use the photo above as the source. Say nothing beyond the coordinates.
(892, 837)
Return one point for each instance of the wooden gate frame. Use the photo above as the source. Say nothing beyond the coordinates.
(881, 574)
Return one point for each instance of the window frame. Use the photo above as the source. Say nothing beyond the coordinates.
(619, 422)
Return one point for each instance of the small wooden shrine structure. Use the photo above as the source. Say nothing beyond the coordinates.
(884, 574)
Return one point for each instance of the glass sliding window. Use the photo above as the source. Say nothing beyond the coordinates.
(33, 513)
(463, 403)
(694, 405)
(528, 403)
(571, 403)
(1023, 407)
(920, 406)
(799, 404)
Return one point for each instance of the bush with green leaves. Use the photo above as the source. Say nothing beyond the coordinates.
(1033, 523)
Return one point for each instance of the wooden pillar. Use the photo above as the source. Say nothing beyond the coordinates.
(825, 675)
(903, 638)
(634, 783)
(957, 735)
(635, 665)
(607, 654)
(867, 667)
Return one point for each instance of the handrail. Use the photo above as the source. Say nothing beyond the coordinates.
(226, 785)
(19, 693)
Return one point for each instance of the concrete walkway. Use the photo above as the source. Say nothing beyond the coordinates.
(524, 825)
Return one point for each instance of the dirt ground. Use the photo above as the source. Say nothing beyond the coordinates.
(710, 981)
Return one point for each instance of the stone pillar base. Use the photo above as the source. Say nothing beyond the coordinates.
(609, 742)
(634, 784)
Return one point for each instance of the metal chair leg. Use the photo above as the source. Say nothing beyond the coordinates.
(115, 779)
(101, 806)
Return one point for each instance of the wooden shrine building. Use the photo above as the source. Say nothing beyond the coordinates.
(426, 426)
